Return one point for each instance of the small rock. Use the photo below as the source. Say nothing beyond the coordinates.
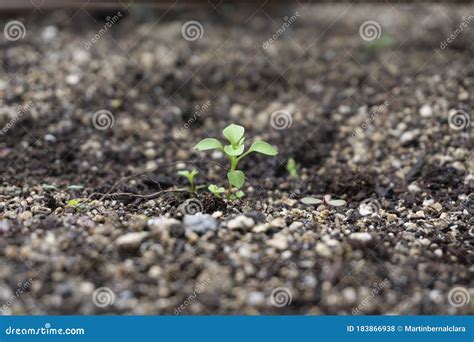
(49, 33)
(425, 111)
(50, 138)
(349, 295)
(278, 241)
(131, 241)
(241, 222)
(438, 253)
(362, 237)
(391, 217)
(26, 215)
(261, 228)
(217, 214)
(255, 298)
(323, 250)
(4, 226)
(409, 136)
(279, 222)
(200, 223)
(413, 188)
(72, 79)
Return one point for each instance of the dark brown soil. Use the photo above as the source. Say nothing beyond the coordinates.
(406, 161)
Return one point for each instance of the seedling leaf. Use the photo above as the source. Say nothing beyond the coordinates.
(311, 200)
(209, 144)
(263, 148)
(234, 133)
(236, 178)
(337, 203)
(234, 151)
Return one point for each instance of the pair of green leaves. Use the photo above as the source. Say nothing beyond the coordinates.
(235, 151)
(235, 135)
(219, 190)
(188, 174)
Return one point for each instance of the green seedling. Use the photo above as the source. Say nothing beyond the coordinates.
(384, 42)
(78, 204)
(190, 177)
(216, 190)
(235, 152)
(292, 168)
(326, 200)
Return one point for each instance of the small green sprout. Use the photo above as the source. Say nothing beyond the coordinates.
(190, 177)
(326, 200)
(235, 152)
(78, 204)
(292, 168)
(216, 190)
(385, 41)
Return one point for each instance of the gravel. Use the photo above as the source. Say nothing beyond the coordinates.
(369, 125)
